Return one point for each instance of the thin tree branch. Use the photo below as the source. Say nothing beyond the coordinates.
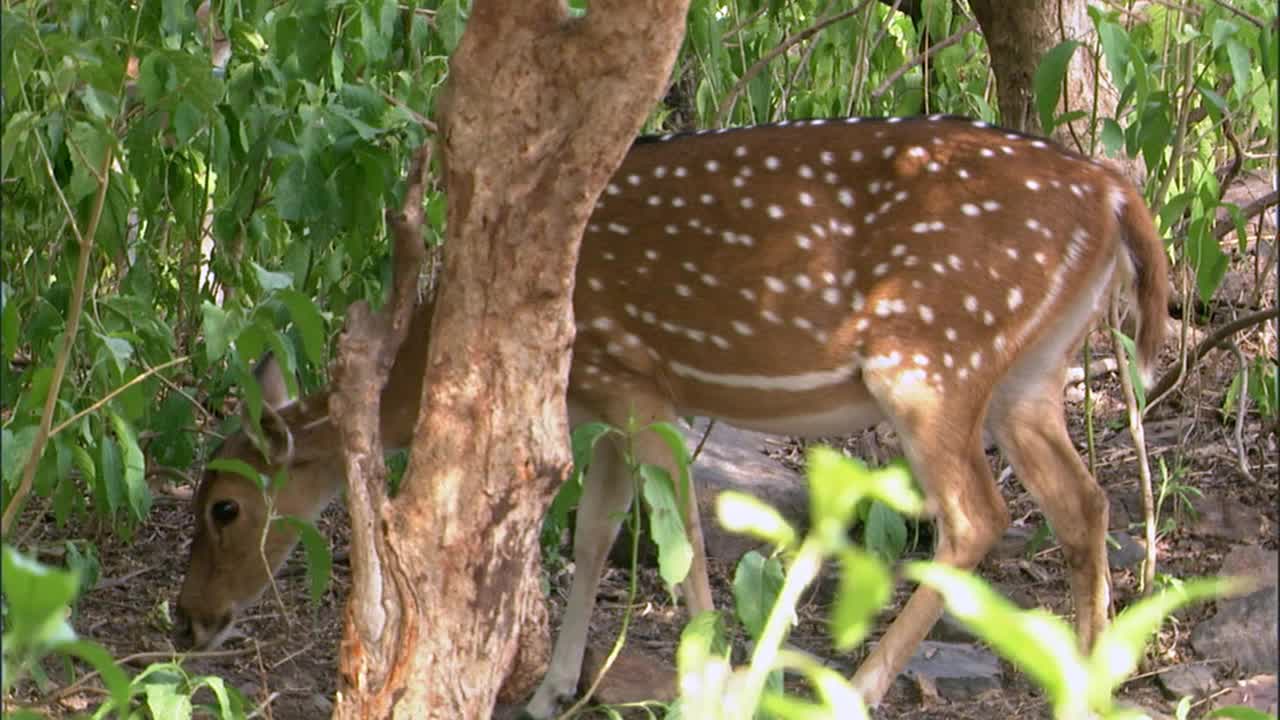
(947, 42)
(108, 397)
(1166, 383)
(722, 112)
(69, 337)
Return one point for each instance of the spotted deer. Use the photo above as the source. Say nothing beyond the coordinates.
(807, 279)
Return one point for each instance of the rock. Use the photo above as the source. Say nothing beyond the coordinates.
(958, 671)
(635, 676)
(1253, 562)
(1243, 632)
(732, 459)
(1258, 692)
(1228, 519)
(321, 704)
(1194, 679)
(1124, 552)
(949, 630)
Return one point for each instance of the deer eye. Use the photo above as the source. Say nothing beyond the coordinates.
(224, 512)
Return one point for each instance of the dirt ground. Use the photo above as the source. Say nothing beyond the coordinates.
(286, 662)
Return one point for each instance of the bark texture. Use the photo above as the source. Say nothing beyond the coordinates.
(539, 110)
(1018, 34)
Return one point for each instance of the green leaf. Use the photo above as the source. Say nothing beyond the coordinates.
(166, 700)
(14, 450)
(310, 324)
(319, 557)
(120, 350)
(135, 467)
(1135, 377)
(16, 129)
(36, 597)
(1238, 55)
(756, 584)
(1048, 81)
(113, 676)
(236, 467)
(1116, 653)
(1034, 640)
(865, 588)
(187, 121)
(1112, 137)
(220, 327)
(744, 514)
(270, 281)
(666, 524)
(110, 486)
(836, 484)
(886, 532)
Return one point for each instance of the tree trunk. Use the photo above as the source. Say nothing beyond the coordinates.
(1018, 34)
(446, 605)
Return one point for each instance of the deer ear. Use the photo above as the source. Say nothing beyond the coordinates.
(275, 390)
(275, 395)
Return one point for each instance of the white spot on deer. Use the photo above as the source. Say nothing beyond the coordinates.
(910, 261)
(1012, 252)
(740, 151)
(859, 302)
(790, 383)
(831, 295)
(772, 162)
(998, 343)
(671, 230)
(591, 370)
(593, 228)
(771, 316)
(612, 189)
(803, 282)
(827, 157)
(920, 228)
(888, 151)
(954, 261)
(1006, 149)
(747, 294)
(975, 360)
(677, 201)
(595, 284)
(803, 242)
(805, 171)
(747, 203)
(774, 284)
(950, 334)
(618, 229)
(917, 151)
(926, 313)
(938, 268)
(987, 153)
(881, 362)
(654, 200)
(648, 317)
(861, 325)
(651, 254)
(738, 181)
(869, 218)
(988, 319)
(900, 196)
(970, 209)
(1040, 257)
(709, 280)
(874, 186)
(971, 303)
(712, 165)
(962, 174)
(802, 323)
(933, 166)
(681, 171)
(818, 230)
(633, 179)
(880, 269)
(937, 226)
(695, 335)
(603, 323)
(741, 328)
(1033, 185)
(670, 327)
(683, 290)
(898, 250)
(920, 359)
(775, 212)
(631, 309)
(1015, 298)
(856, 156)
(884, 308)
(1039, 144)
(719, 342)
(706, 198)
(990, 205)
(660, 171)
(947, 360)
(845, 196)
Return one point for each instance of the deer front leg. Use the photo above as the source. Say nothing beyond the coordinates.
(606, 494)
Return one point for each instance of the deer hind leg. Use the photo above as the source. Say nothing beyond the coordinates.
(1028, 423)
(941, 431)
